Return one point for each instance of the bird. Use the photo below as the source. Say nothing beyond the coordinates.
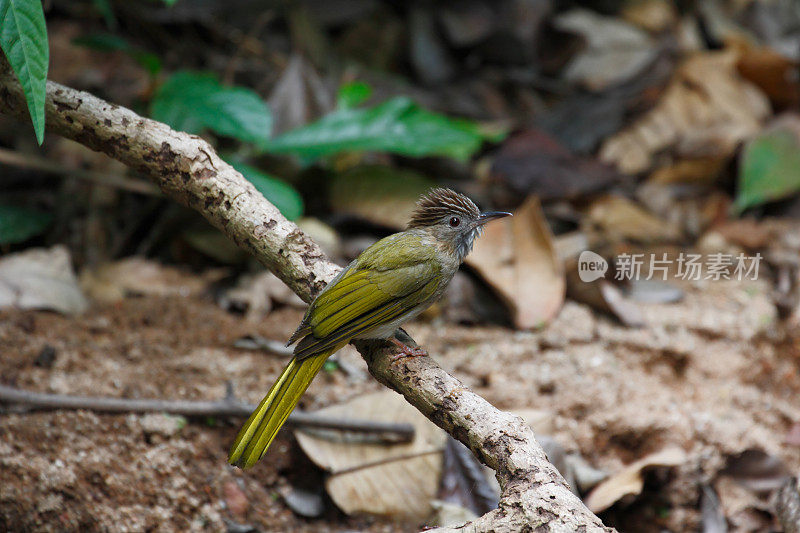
(389, 283)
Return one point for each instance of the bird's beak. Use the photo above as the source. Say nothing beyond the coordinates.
(491, 215)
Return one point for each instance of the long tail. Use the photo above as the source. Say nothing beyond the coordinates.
(260, 429)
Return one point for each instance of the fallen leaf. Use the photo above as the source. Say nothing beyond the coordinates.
(255, 293)
(653, 291)
(464, 480)
(630, 480)
(615, 51)
(397, 480)
(769, 169)
(652, 15)
(137, 276)
(380, 194)
(517, 258)
(745, 232)
(41, 278)
(702, 170)
(303, 502)
(706, 111)
(620, 219)
(602, 295)
(773, 73)
(299, 96)
(532, 162)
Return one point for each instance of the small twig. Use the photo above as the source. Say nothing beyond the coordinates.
(15, 159)
(229, 406)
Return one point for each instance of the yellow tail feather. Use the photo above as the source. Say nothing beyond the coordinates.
(260, 429)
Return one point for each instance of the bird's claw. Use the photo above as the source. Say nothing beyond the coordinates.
(406, 351)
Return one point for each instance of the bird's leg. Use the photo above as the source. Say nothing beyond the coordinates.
(406, 350)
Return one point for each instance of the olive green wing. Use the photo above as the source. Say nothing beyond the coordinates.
(386, 281)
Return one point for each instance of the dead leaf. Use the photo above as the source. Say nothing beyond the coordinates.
(41, 278)
(773, 73)
(630, 480)
(255, 294)
(652, 15)
(379, 194)
(620, 219)
(299, 96)
(397, 480)
(137, 276)
(705, 112)
(602, 295)
(517, 258)
(743, 509)
(615, 51)
(702, 170)
(532, 162)
(464, 480)
(746, 232)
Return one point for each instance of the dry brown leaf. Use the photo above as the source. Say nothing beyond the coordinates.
(773, 73)
(40, 278)
(620, 219)
(629, 481)
(517, 258)
(615, 51)
(706, 111)
(137, 276)
(399, 479)
(602, 295)
(652, 15)
(696, 171)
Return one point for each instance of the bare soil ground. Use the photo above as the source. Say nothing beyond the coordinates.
(714, 375)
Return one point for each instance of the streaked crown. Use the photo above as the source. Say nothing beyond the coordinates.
(440, 203)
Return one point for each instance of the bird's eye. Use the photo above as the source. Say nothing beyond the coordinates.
(454, 222)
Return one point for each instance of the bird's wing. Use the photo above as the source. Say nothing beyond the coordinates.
(387, 280)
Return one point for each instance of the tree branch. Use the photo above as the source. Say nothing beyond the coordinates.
(188, 170)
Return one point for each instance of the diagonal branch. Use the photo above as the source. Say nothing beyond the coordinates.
(188, 170)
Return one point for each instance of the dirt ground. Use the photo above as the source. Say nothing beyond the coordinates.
(714, 375)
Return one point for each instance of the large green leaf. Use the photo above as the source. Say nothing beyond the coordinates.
(281, 194)
(193, 101)
(397, 125)
(18, 224)
(769, 170)
(23, 38)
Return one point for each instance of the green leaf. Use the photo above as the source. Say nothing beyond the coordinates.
(397, 125)
(353, 94)
(192, 102)
(23, 38)
(769, 170)
(281, 194)
(18, 224)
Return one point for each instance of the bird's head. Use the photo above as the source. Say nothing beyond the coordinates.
(452, 218)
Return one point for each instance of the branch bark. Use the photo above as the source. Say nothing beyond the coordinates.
(534, 495)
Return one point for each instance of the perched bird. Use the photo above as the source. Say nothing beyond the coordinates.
(391, 282)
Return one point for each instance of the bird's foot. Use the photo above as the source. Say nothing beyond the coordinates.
(406, 350)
